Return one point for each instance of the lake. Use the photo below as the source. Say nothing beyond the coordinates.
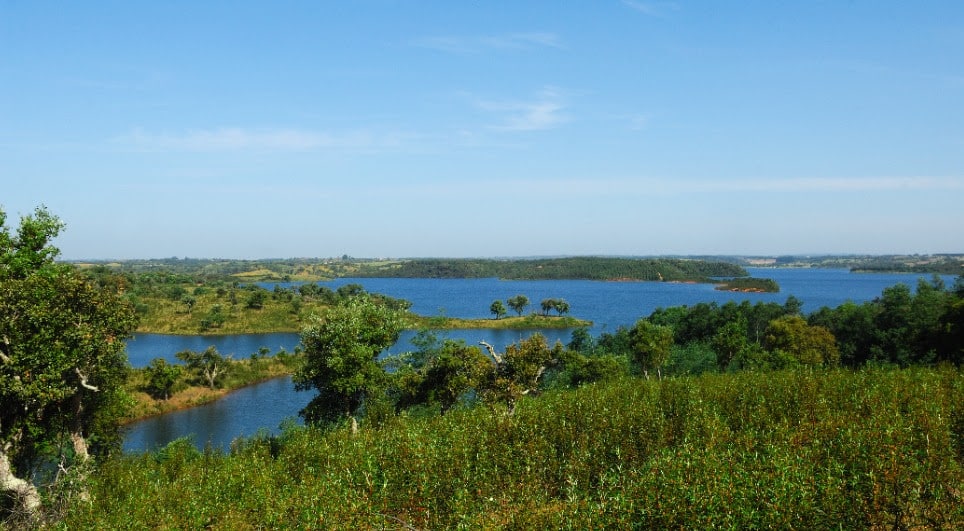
(608, 304)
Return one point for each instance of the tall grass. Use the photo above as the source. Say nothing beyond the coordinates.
(822, 449)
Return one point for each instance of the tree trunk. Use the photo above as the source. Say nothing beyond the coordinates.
(25, 494)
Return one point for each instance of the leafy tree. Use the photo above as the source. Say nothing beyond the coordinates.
(561, 307)
(350, 290)
(518, 371)
(651, 345)
(214, 318)
(341, 358)
(498, 309)
(257, 298)
(62, 359)
(581, 369)
(580, 340)
(729, 342)
(952, 333)
(854, 327)
(208, 364)
(161, 378)
(518, 303)
(618, 342)
(805, 344)
(451, 371)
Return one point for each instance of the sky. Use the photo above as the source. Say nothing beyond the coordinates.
(379, 128)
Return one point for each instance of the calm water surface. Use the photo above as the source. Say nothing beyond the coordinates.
(608, 304)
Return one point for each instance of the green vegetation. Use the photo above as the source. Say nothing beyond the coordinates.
(791, 449)
(943, 264)
(750, 422)
(755, 285)
(62, 366)
(584, 268)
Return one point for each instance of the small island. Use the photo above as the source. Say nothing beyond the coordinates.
(749, 285)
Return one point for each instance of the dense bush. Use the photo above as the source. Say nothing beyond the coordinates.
(792, 449)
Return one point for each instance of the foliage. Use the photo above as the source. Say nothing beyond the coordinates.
(559, 305)
(162, 377)
(518, 371)
(443, 375)
(208, 365)
(518, 303)
(651, 345)
(805, 344)
(62, 359)
(342, 358)
(754, 285)
(579, 268)
(809, 449)
(899, 327)
(497, 309)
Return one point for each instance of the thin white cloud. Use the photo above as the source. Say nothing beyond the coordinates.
(653, 9)
(545, 111)
(257, 139)
(510, 41)
(581, 188)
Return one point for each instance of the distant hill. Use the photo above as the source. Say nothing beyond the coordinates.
(575, 268)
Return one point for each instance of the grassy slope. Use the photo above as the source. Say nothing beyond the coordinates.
(873, 448)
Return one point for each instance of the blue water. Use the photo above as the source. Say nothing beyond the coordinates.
(608, 304)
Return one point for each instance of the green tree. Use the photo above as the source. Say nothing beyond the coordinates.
(651, 345)
(450, 371)
(161, 378)
(806, 344)
(519, 370)
(257, 299)
(581, 341)
(62, 359)
(547, 304)
(209, 364)
(561, 306)
(341, 358)
(729, 342)
(518, 303)
(497, 309)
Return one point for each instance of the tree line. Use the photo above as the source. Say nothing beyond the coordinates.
(519, 303)
(575, 268)
(343, 364)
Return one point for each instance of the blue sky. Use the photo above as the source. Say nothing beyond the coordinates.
(485, 128)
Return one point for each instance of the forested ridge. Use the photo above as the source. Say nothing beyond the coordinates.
(576, 268)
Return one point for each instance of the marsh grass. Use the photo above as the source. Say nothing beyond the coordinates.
(873, 448)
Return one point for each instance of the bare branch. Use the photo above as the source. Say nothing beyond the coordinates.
(495, 357)
(83, 381)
